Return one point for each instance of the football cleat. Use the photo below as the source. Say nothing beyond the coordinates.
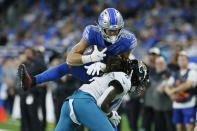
(26, 81)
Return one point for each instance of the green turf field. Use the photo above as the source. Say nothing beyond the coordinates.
(14, 125)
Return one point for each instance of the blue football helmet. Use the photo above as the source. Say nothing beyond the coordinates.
(110, 19)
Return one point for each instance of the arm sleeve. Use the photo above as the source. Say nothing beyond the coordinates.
(116, 84)
(52, 74)
(88, 35)
(104, 95)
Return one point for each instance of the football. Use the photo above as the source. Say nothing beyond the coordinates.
(90, 49)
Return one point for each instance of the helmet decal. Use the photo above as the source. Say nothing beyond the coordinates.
(110, 19)
(112, 16)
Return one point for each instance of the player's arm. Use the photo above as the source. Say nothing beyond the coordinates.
(120, 84)
(114, 89)
(75, 56)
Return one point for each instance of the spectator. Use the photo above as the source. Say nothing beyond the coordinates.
(179, 89)
(30, 100)
(8, 79)
(173, 65)
(148, 99)
(39, 56)
(162, 104)
(153, 53)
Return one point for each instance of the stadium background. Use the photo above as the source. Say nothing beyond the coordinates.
(53, 26)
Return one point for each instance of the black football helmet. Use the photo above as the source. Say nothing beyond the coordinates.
(139, 76)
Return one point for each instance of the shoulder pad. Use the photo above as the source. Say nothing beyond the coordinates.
(126, 34)
(88, 34)
(95, 28)
(131, 39)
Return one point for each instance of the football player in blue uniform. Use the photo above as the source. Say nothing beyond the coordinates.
(109, 33)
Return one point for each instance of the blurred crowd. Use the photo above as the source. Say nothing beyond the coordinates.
(57, 24)
(51, 28)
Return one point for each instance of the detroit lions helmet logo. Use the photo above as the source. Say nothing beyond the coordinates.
(110, 19)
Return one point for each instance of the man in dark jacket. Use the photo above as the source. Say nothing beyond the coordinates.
(30, 99)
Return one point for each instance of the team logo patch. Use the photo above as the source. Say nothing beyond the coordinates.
(142, 67)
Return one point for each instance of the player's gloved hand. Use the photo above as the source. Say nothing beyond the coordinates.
(95, 56)
(26, 81)
(95, 68)
(114, 118)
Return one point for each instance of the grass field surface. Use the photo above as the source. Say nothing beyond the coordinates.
(14, 125)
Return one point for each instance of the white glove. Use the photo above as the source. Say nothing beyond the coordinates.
(95, 56)
(95, 68)
(115, 118)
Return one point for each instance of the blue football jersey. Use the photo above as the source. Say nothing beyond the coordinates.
(93, 36)
(127, 40)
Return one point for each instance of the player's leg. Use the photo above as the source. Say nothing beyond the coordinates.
(65, 123)
(63, 69)
(177, 119)
(91, 116)
(115, 127)
(52, 74)
(80, 73)
(189, 118)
